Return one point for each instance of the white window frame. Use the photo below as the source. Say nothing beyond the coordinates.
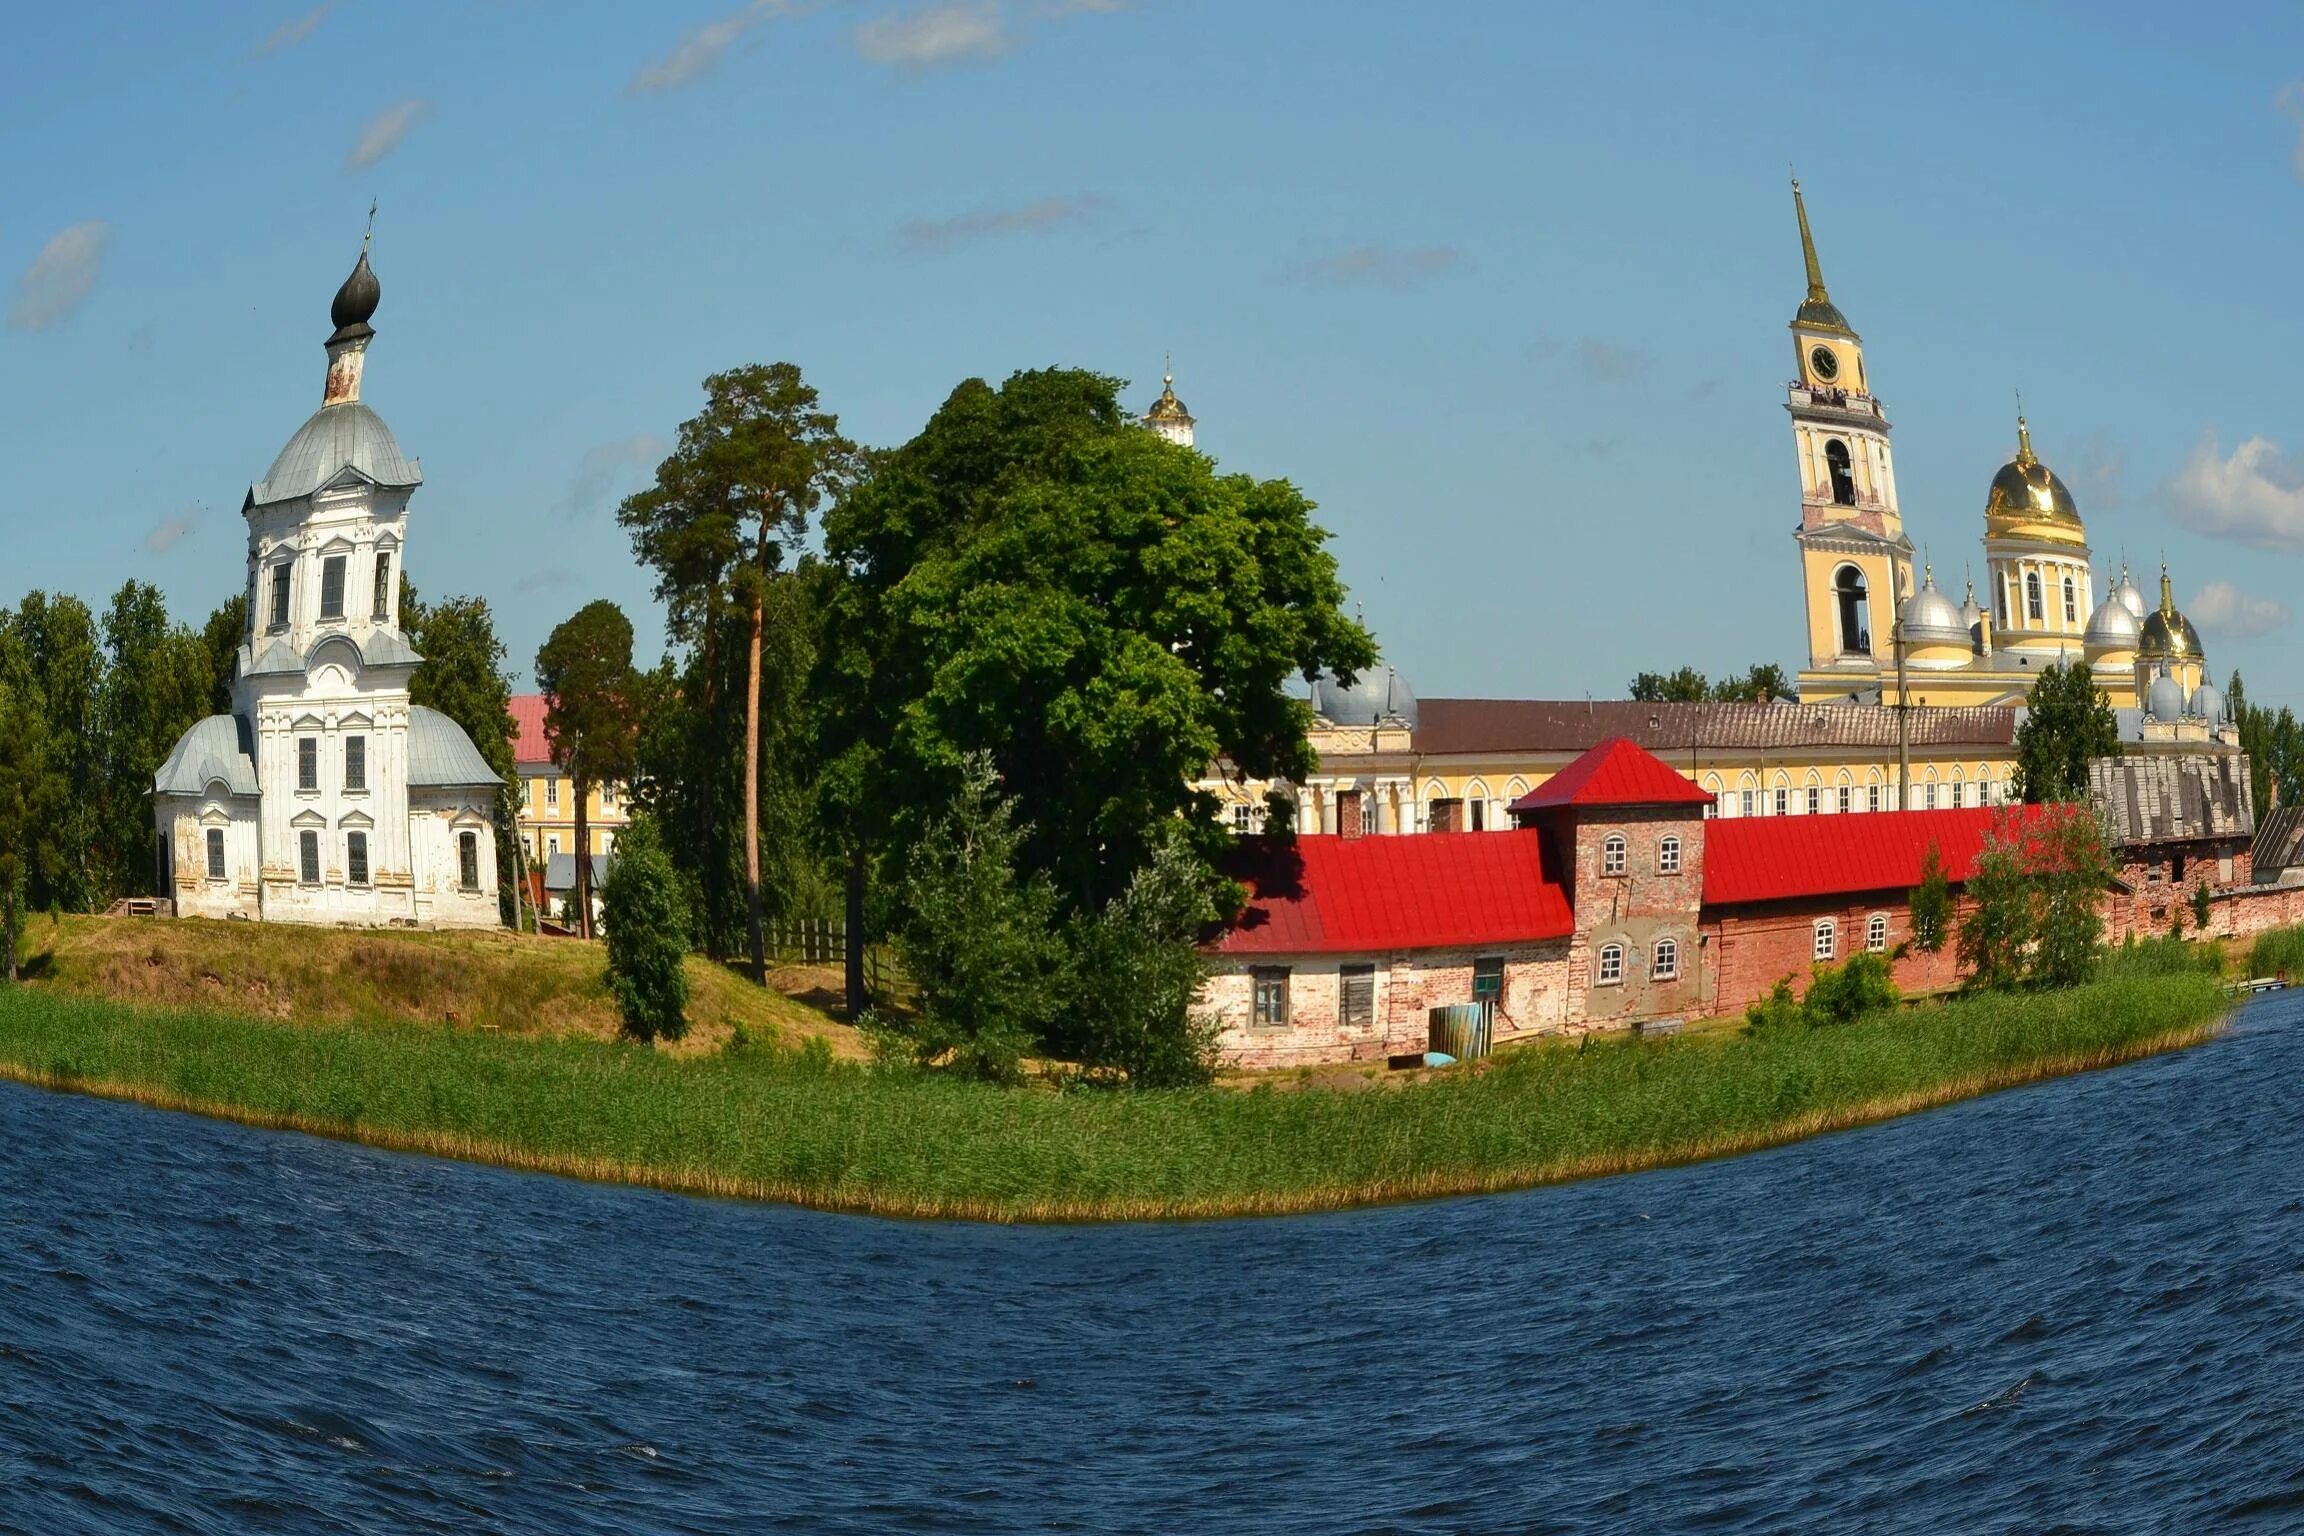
(468, 844)
(1871, 797)
(1826, 944)
(308, 870)
(1783, 802)
(1668, 856)
(552, 793)
(1747, 806)
(217, 869)
(1609, 966)
(1876, 933)
(1844, 801)
(333, 566)
(1664, 961)
(1240, 818)
(355, 758)
(1815, 801)
(1260, 1016)
(1614, 854)
(356, 870)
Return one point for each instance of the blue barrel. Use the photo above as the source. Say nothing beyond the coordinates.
(1460, 1029)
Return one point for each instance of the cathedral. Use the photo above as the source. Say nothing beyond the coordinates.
(1875, 636)
(326, 795)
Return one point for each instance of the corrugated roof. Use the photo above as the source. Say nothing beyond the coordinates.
(441, 756)
(530, 747)
(1434, 890)
(1573, 725)
(1615, 772)
(2169, 797)
(1770, 858)
(217, 750)
(560, 871)
(340, 437)
(2279, 845)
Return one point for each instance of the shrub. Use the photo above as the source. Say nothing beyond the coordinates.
(1137, 973)
(644, 917)
(1778, 1011)
(2200, 907)
(1853, 991)
(1931, 905)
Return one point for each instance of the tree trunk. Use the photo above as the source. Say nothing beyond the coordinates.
(708, 763)
(752, 796)
(859, 997)
(8, 932)
(583, 864)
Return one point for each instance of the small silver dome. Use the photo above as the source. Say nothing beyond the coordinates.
(345, 436)
(1378, 694)
(2128, 597)
(2208, 704)
(1930, 617)
(2114, 625)
(2164, 700)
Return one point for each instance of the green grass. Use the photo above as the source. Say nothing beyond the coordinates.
(797, 1126)
(2278, 951)
(2165, 955)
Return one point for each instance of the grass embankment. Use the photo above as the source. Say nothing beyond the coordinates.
(486, 980)
(788, 1125)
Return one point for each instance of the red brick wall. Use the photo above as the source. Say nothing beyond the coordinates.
(1535, 1001)
(1751, 947)
(1637, 910)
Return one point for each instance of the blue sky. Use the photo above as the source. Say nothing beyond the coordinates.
(1502, 286)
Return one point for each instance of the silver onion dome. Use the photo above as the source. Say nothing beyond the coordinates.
(1378, 694)
(2114, 625)
(1930, 617)
(2164, 700)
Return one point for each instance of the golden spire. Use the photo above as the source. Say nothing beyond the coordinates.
(1816, 291)
(2167, 594)
(2024, 453)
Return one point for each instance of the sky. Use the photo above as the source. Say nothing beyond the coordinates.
(1502, 286)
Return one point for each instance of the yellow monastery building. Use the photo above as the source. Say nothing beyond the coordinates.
(1876, 639)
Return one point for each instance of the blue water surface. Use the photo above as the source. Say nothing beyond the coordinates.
(2074, 1307)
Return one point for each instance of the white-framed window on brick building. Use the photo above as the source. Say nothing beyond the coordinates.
(215, 853)
(1827, 938)
(1876, 932)
(1270, 1007)
(1612, 854)
(1611, 969)
(1664, 961)
(1356, 996)
(1668, 856)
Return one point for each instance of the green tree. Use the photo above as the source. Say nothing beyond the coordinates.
(2200, 908)
(1931, 904)
(462, 676)
(2069, 863)
(647, 936)
(1137, 973)
(584, 670)
(226, 628)
(2273, 742)
(66, 660)
(727, 511)
(2068, 724)
(33, 791)
(1686, 686)
(1036, 577)
(157, 684)
(977, 935)
(1759, 684)
(1998, 927)
(1843, 994)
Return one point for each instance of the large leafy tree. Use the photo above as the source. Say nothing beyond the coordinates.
(463, 677)
(1759, 683)
(728, 509)
(1036, 578)
(65, 659)
(2274, 743)
(33, 790)
(159, 681)
(584, 669)
(2068, 724)
(222, 635)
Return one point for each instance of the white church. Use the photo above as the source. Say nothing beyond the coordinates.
(326, 796)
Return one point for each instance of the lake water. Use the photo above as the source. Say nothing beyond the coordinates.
(2075, 1307)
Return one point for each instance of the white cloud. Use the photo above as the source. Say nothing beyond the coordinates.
(291, 32)
(940, 34)
(919, 237)
(1376, 266)
(2253, 497)
(2223, 607)
(1604, 362)
(60, 276)
(701, 48)
(381, 134)
(608, 469)
(166, 534)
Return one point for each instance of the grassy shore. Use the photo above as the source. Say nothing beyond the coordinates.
(801, 1126)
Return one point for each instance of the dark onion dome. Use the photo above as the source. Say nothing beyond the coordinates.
(356, 302)
(2167, 634)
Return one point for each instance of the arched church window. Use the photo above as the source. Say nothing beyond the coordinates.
(2032, 603)
(1843, 478)
(2071, 604)
(1855, 611)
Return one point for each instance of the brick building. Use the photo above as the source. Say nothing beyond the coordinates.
(1616, 900)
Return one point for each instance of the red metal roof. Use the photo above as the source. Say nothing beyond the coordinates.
(1769, 858)
(1432, 890)
(1619, 771)
(529, 747)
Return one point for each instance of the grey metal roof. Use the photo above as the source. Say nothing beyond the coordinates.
(2279, 846)
(560, 871)
(218, 749)
(388, 648)
(1571, 725)
(441, 756)
(378, 648)
(345, 436)
(2174, 797)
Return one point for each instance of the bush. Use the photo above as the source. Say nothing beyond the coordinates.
(642, 911)
(2200, 907)
(1931, 905)
(1137, 973)
(1856, 990)
(1776, 1012)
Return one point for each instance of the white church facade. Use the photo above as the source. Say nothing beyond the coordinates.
(326, 796)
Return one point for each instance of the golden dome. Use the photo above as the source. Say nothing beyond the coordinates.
(2168, 635)
(1168, 407)
(2027, 500)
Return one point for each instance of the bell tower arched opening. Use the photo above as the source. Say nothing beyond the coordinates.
(1855, 611)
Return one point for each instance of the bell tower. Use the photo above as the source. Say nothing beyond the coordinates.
(1855, 562)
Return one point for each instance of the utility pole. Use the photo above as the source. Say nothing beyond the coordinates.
(1903, 718)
